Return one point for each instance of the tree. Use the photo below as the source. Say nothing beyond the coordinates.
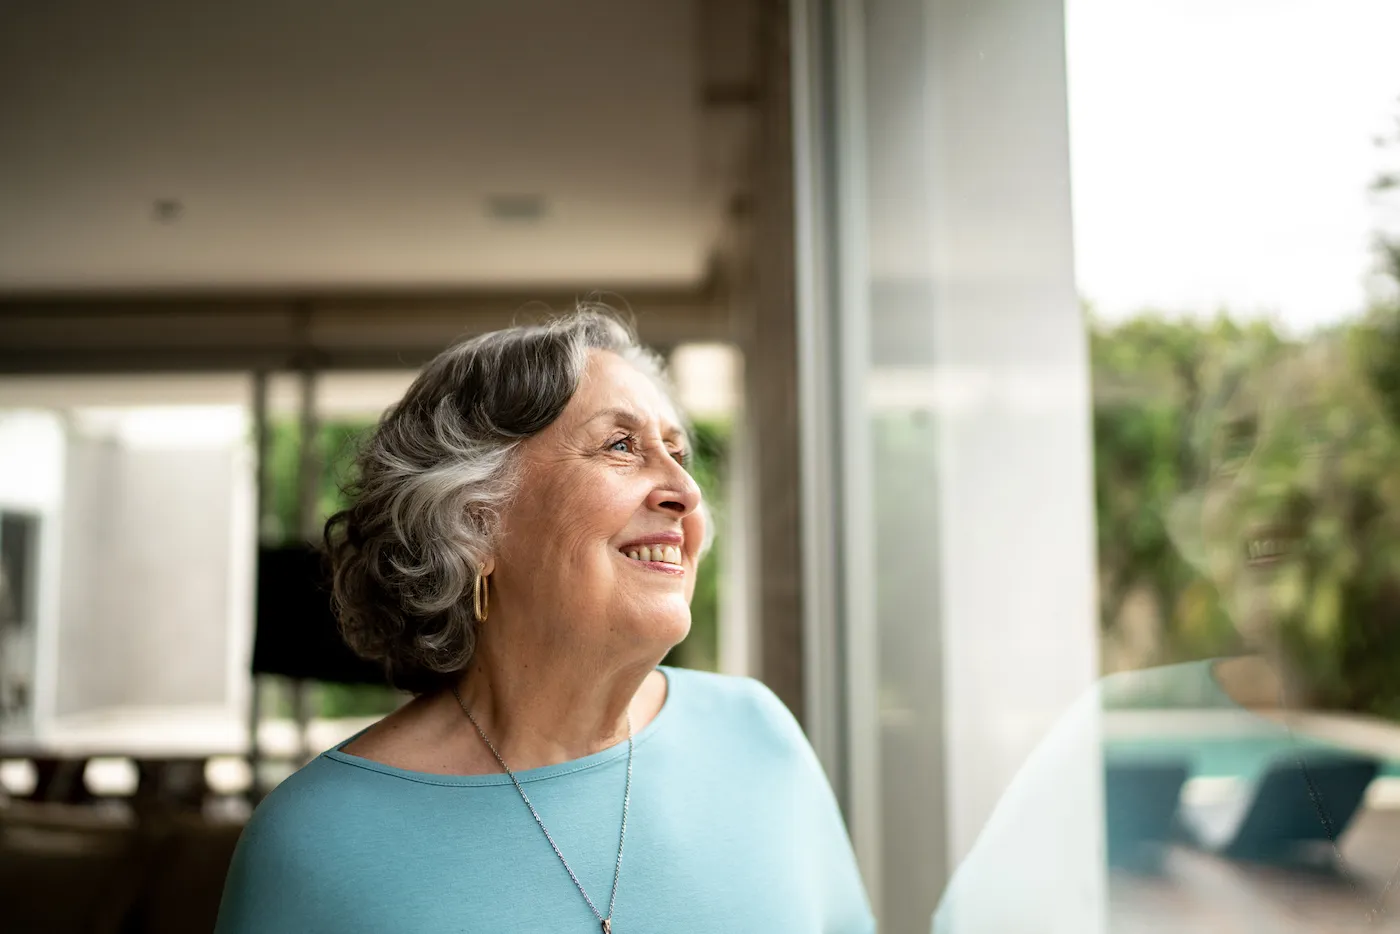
(1206, 434)
(1153, 376)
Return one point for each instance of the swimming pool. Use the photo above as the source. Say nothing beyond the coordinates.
(1241, 757)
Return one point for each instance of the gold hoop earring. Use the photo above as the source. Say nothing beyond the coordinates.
(481, 597)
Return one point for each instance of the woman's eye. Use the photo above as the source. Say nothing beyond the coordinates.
(621, 444)
(682, 457)
(1236, 445)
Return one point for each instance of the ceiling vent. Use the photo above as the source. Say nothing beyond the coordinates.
(516, 208)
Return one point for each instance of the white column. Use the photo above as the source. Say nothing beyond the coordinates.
(738, 632)
(944, 229)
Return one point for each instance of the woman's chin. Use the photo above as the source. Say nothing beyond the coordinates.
(672, 633)
(662, 630)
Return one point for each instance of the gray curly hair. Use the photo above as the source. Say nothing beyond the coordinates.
(433, 479)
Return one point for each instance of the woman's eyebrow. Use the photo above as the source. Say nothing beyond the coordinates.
(620, 415)
(634, 420)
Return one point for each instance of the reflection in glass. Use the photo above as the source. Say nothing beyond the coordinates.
(1245, 346)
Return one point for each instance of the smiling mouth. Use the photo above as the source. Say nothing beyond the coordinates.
(663, 557)
(1270, 547)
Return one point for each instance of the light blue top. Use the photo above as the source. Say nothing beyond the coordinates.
(732, 828)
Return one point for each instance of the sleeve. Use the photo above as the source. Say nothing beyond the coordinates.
(1037, 866)
(265, 890)
(836, 879)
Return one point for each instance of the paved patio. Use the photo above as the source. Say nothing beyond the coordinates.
(1197, 892)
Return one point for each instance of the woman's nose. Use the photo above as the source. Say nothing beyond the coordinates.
(676, 493)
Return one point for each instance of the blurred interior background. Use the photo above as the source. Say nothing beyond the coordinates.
(1018, 336)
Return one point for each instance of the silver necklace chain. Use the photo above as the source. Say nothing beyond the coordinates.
(605, 922)
(1377, 910)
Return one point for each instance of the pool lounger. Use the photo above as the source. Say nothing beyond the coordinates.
(1278, 820)
(1140, 808)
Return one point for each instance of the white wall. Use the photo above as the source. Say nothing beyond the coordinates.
(152, 568)
(147, 490)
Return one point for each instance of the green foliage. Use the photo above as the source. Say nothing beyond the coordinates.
(354, 700)
(336, 443)
(710, 440)
(1211, 437)
(1147, 388)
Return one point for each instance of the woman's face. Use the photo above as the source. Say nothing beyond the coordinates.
(1277, 500)
(1253, 537)
(600, 545)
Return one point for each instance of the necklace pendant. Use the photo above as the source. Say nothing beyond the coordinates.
(607, 926)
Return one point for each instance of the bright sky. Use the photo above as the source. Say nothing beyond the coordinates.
(1222, 150)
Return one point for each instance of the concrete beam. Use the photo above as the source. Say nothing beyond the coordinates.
(200, 334)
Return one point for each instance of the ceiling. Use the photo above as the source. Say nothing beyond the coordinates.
(348, 144)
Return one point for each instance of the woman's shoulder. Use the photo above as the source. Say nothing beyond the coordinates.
(1184, 684)
(739, 707)
(725, 693)
(312, 832)
(314, 803)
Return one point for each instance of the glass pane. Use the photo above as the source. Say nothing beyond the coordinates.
(1236, 256)
(1233, 165)
(975, 407)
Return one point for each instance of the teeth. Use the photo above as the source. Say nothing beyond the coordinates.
(670, 554)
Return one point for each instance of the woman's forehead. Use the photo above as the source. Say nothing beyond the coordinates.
(614, 389)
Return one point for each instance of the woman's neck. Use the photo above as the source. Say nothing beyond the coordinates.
(1262, 683)
(547, 710)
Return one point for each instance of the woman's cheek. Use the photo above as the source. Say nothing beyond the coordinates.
(693, 527)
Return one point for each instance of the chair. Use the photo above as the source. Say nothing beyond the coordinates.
(1140, 808)
(185, 879)
(67, 870)
(1280, 821)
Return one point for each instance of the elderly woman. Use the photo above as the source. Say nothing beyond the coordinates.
(520, 555)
